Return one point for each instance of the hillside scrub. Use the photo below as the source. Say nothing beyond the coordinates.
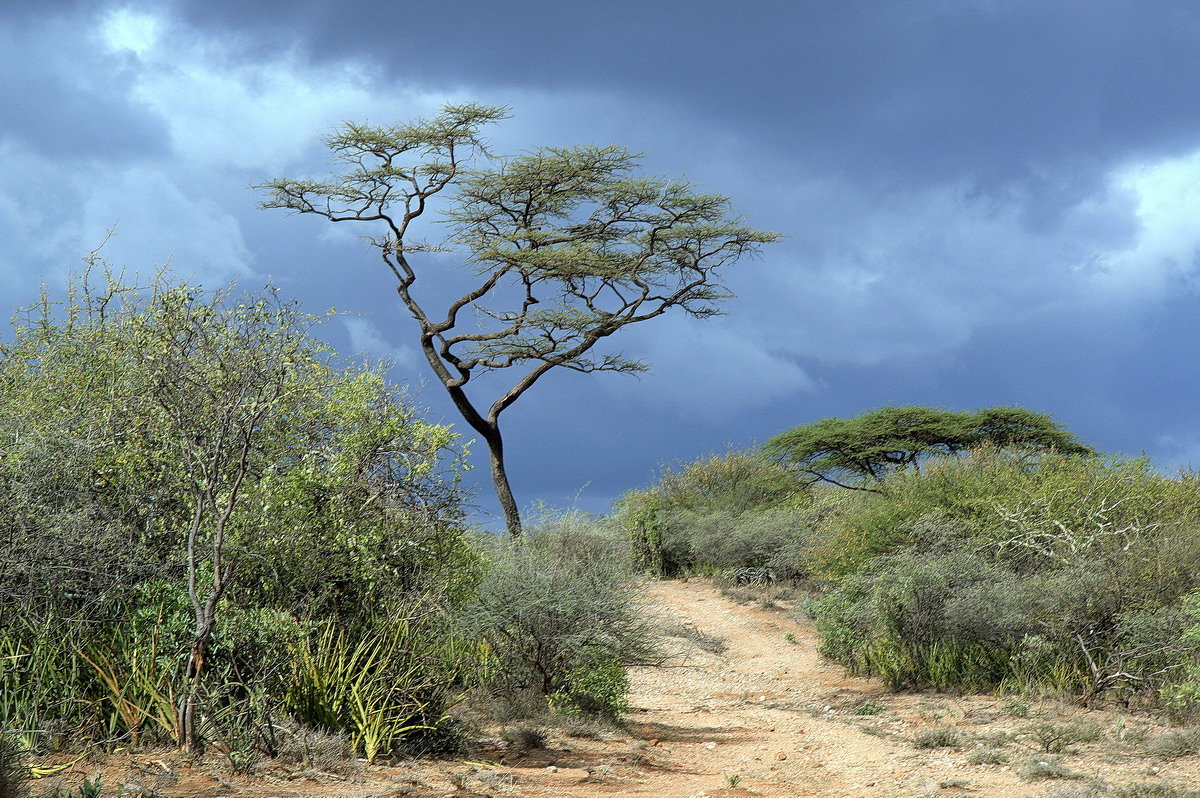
(718, 514)
(1061, 573)
(989, 569)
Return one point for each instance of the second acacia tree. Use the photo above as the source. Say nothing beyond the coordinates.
(563, 247)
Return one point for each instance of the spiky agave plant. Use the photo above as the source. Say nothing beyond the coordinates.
(14, 772)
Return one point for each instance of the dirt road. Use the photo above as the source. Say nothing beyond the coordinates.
(767, 716)
(748, 708)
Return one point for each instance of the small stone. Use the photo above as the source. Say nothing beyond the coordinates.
(781, 756)
(654, 741)
(552, 768)
(710, 746)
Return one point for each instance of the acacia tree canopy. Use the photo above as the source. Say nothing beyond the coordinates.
(562, 246)
(864, 449)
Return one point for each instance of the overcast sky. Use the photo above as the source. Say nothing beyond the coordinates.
(989, 202)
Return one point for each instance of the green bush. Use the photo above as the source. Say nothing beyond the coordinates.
(559, 610)
(1059, 573)
(597, 688)
(1033, 513)
(722, 512)
(891, 619)
(347, 509)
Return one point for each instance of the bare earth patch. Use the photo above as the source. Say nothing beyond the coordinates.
(762, 715)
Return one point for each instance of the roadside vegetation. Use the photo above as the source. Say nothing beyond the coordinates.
(954, 551)
(217, 536)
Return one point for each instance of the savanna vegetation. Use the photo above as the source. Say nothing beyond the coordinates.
(216, 535)
(958, 551)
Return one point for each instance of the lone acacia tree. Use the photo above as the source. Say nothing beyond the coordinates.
(564, 247)
(859, 452)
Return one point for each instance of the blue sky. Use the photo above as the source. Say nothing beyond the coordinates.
(985, 202)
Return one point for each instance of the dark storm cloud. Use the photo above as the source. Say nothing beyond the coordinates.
(61, 99)
(985, 202)
(886, 90)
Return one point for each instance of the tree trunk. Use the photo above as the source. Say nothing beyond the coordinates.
(489, 428)
(189, 740)
(512, 517)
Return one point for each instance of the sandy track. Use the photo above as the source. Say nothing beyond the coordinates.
(769, 713)
(766, 716)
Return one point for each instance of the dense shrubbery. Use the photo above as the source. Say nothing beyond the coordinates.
(1064, 573)
(997, 568)
(721, 513)
(558, 608)
(193, 492)
(212, 535)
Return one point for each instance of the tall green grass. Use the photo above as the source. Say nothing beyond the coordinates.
(380, 685)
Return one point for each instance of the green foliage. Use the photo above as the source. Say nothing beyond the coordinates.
(1016, 708)
(559, 611)
(1182, 695)
(14, 769)
(597, 688)
(867, 707)
(893, 619)
(846, 451)
(175, 462)
(339, 464)
(735, 482)
(721, 513)
(1059, 573)
(379, 686)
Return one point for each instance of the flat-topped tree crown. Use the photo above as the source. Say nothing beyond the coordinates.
(564, 247)
(859, 452)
